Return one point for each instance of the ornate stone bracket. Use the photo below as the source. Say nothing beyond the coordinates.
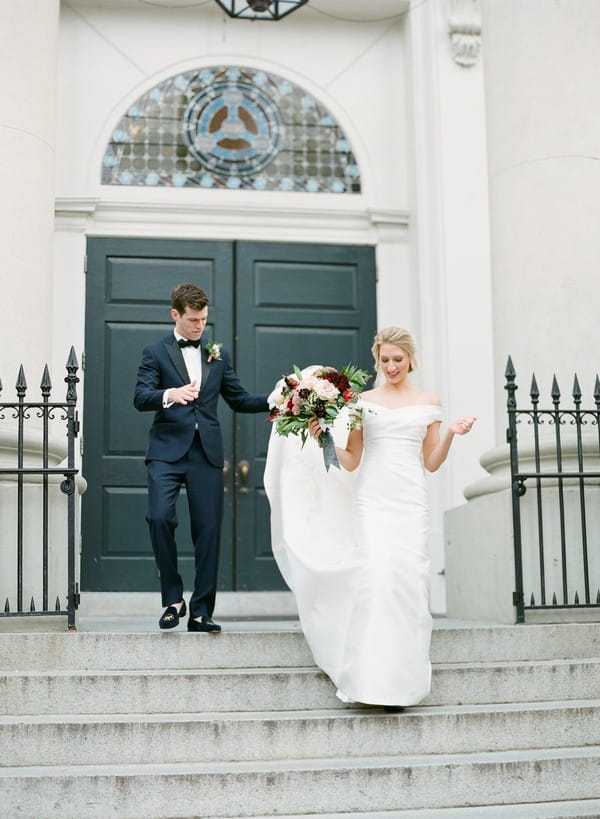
(464, 27)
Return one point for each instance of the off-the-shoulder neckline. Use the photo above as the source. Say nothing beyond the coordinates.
(404, 406)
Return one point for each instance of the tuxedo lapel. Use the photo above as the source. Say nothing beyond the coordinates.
(205, 366)
(176, 357)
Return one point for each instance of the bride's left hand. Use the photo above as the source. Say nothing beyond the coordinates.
(462, 426)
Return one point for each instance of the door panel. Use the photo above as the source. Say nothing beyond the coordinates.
(128, 288)
(297, 304)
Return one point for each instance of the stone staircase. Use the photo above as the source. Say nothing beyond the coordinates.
(250, 727)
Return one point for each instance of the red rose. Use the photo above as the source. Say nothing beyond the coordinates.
(347, 395)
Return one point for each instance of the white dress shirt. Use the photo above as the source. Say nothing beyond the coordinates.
(193, 364)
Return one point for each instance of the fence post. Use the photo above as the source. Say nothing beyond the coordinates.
(68, 485)
(517, 487)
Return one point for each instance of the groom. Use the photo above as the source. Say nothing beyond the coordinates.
(180, 379)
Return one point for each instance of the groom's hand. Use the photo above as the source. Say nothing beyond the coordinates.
(183, 395)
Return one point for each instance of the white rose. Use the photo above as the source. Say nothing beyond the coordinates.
(326, 390)
(276, 397)
(309, 382)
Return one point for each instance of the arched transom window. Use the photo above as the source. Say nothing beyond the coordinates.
(231, 127)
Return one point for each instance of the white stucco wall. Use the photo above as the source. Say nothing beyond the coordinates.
(27, 147)
(542, 61)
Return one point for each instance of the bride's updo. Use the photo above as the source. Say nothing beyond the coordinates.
(401, 338)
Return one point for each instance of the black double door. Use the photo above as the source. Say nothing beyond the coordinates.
(272, 306)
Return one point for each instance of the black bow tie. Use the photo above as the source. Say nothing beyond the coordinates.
(187, 342)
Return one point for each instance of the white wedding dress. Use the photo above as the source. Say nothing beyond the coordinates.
(352, 546)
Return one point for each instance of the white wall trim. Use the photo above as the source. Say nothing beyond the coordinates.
(229, 217)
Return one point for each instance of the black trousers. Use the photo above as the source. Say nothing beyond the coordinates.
(204, 488)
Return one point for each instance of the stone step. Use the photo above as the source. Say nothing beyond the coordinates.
(569, 809)
(254, 789)
(142, 738)
(281, 689)
(452, 642)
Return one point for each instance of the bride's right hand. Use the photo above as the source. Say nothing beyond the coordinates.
(314, 427)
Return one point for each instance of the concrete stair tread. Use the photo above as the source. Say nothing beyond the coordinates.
(366, 712)
(164, 672)
(536, 810)
(246, 645)
(284, 689)
(519, 663)
(302, 734)
(330, 764)
(278, 670)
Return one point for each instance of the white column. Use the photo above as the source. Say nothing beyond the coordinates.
(451, 246)
(451, 238)
(28, 42)
(542, 62)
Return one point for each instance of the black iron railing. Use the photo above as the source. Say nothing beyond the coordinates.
(556, 526)
(21, 411)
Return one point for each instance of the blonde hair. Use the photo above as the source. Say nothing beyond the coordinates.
(400, 338)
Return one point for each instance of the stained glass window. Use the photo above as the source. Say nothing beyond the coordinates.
(231, 127)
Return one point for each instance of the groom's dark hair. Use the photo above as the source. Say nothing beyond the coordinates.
(188, 295)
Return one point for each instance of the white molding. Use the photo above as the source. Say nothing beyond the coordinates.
(464, 27)
(452, 235)
(73, 214)
(428, 239)
(230, 217)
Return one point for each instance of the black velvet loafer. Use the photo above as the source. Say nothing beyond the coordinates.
(171, 617)
(206, 624)
(393, 709)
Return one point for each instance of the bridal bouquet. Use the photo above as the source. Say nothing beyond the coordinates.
(320, 392)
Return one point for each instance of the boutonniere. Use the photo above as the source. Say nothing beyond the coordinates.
(214, 351)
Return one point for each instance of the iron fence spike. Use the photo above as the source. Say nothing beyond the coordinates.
(532, 601)
(32, 605)
(554, 600)
(576, 599)
(598, 598)
(7, 605)
(21, 384)
(510, 369)
(576, 390)
(534, 392)
(71, 379)
(555, 392)
(597, 390)
(57, 605)
(46, 383)
(72, 362)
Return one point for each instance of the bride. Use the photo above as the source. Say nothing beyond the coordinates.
(352, 544)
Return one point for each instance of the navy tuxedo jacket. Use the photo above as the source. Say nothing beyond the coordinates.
(171, 434)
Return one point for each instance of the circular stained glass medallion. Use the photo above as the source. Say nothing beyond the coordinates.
(233, 127)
